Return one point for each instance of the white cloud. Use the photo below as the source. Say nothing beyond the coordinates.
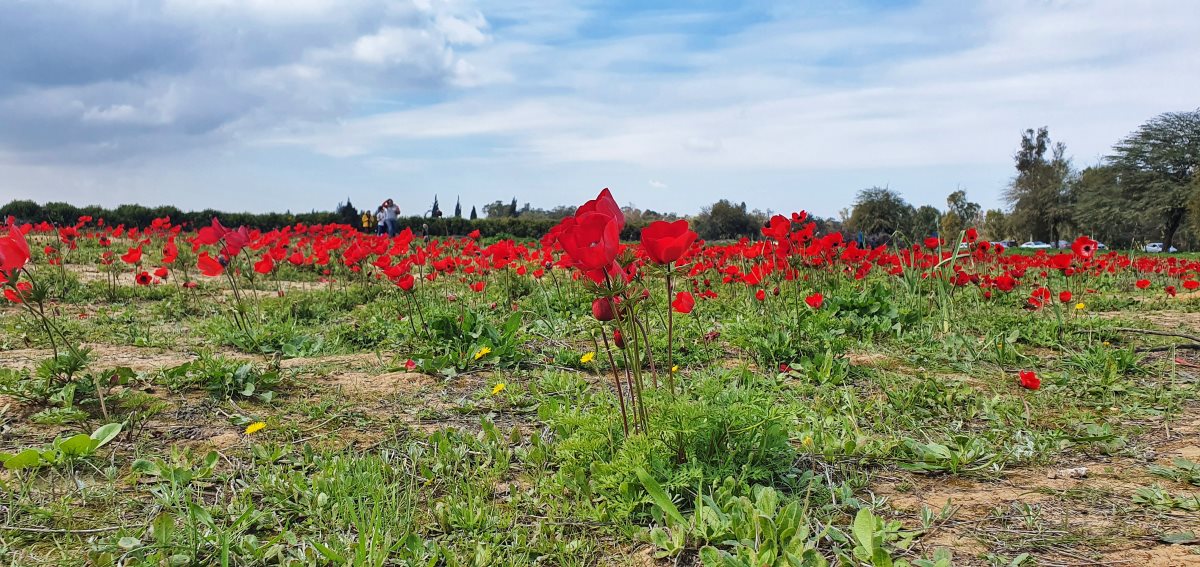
(472, 93)
(657, 184)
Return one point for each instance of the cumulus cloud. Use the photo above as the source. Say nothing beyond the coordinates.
(109, 80)
(457, 94)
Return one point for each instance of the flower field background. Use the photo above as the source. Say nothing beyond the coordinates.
(312, 395)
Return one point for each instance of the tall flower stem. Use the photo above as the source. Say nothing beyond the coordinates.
(670, 333)
(616, 380)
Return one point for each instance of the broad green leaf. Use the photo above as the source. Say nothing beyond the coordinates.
(660, 497)
(77, 446)
(710, 557)
(144, 466)
(106, 433)
(26, 459)
(864, 530)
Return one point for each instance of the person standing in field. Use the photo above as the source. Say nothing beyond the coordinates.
(379, 227)
(390, 213)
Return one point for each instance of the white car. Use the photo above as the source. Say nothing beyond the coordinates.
(1036, 245)
(1156, 247)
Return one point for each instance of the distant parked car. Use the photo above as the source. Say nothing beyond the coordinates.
(1156, 247)
(1036, 245)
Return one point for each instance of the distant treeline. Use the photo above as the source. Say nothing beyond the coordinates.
(136, 215)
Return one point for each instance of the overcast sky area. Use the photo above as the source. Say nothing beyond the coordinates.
(296, 105)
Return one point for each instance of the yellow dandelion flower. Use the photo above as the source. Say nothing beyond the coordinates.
(255, 427)
(1080, 306)
(674, 369)
(498, 388)
(587, 357)
(807, 441)
(482, 352)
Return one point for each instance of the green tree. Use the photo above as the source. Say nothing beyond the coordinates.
(1157, 165)
(1102, 209)
(924, 222)
(724, 220)
(960, 214)
(512, 208)
(24, 210)
(496, 210)
(879, 213)
(474, 215)
(346, 213)
(995, 225)
(457, 208)
(1040, 193)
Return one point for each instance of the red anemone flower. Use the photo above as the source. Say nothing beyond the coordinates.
(1029, 380)
(143, 278)
(592, 240)
(1084, 247)
(1064, 296)
(667, 242)
(133, 256)
(208, 265)
(14, 252)
(815, 300)
(1142, 284)
(264, 265)
(684, 302)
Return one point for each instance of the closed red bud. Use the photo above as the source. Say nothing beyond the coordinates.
(602, 309)
(618, 339)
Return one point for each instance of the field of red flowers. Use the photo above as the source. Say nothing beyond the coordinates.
(314, 395)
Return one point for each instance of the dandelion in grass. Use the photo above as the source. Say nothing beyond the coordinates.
(674, 368)
(587, 357)
(1080, 306)
(482, 352)
(255, 427)
(498, 388)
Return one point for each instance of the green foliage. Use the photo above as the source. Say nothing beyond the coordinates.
(458, 340)
(63, 450)
(1157, 165)
(223, 378)
(1039, 195)
(725, 220)
(879, 213)
(1182, 470)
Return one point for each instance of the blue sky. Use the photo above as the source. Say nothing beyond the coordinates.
(297, 104)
